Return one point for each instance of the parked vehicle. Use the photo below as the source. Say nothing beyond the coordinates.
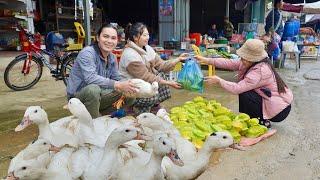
(25, 70)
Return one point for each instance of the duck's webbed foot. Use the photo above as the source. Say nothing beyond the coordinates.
(119, 103)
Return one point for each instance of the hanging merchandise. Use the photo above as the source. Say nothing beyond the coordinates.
(191, 76)
(80, 6)
(59, 9)
(91, 10)
(242, 4)
(75, 9)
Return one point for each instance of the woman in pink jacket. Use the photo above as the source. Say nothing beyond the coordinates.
(262, 92)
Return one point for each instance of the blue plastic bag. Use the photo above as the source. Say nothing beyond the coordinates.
(191, 77)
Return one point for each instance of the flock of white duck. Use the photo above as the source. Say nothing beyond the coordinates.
(79, 147)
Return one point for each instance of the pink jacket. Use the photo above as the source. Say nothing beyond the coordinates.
(257, 77)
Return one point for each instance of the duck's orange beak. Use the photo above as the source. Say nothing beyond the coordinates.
(141, 136)
(54, 148)
(11, 176)
(173, 155)
(24, 123)
(65, 106)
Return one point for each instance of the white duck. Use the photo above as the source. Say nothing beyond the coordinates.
(184, 147)
(102, 126)
(194, 166)
(103, 163)
(144, 90)
(163, 114)
(85, 130)
(27, 171)
(60, 165)
(36, 154)
(156, 123)
(136, 169)
(58, 169)
(56, 135)
(94, 131)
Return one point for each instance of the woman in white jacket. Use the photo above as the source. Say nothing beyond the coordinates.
(139, 60)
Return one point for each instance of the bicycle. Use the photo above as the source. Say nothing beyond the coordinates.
(25, 70)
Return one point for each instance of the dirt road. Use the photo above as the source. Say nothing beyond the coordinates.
(292, 153)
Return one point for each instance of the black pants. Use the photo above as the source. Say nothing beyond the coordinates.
(250, 103)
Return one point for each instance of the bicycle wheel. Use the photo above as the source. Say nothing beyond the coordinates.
(66, 66)
(14, 77)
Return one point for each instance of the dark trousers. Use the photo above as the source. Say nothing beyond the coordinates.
(250, 103)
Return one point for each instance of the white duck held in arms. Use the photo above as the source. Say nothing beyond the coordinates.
(194, 166)
(57, 136)
(144, 90)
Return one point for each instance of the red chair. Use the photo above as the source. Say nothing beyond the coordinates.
(197, 37)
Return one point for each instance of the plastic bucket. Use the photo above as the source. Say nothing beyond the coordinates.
(296, 26)
(289, 29)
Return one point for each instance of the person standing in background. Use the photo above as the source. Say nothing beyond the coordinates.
(228, 28)
(272, 41)
(277, 23)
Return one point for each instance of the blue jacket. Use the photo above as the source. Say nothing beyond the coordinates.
(277, 18)
(90, 68)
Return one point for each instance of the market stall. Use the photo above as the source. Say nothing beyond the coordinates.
(305, 41)
(13, 13)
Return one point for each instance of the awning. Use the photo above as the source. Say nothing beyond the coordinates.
(313, 19)
(312, 8)
(308, 8)
(299, 1)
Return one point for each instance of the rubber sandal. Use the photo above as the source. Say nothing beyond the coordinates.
(265, 123)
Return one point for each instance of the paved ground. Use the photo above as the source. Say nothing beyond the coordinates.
(293, 153)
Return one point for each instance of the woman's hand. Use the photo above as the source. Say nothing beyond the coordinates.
(175, 84)
(212, 79)
(171, 83)
(183, 57)
(202, 59)
(266, 39)
(125, 87)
